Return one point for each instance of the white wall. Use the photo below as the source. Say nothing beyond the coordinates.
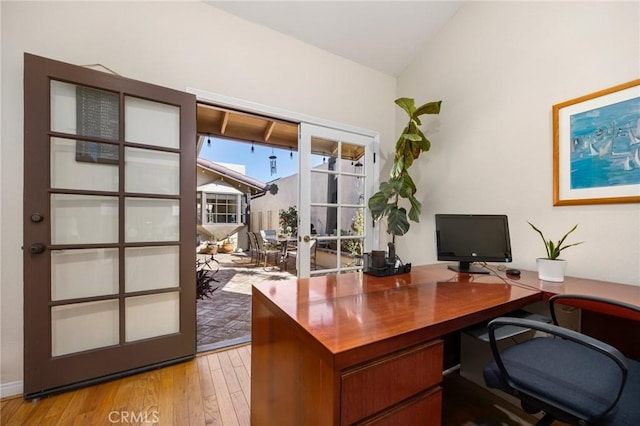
(498, 68)
(174, 44)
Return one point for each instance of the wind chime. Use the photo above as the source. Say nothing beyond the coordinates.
(272, 163)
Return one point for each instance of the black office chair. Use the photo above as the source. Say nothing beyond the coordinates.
(569, 376)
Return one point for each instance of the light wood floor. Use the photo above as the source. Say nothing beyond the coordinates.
(212, 389)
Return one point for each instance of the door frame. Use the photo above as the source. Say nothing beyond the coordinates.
(283, 114)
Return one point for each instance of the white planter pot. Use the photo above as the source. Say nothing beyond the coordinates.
(551, 270)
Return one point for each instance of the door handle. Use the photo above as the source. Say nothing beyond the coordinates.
(36, 217)
(37, 248)
(307, 238)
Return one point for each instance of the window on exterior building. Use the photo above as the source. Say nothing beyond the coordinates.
(222, 208)
(199, 207)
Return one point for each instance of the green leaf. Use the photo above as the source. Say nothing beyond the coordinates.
(416, 208)
(388, 189)
(408, 185)
(425, 144)
(401, 140)
(397, 168)
(397, 223)
(428, 108)
(407, 104)
(566, 235)
(378, 205)
(551, 250)
(412, 137)
(570, 245)
(391, 187)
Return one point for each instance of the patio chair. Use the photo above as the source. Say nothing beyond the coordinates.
(253, 247)
(265, 249)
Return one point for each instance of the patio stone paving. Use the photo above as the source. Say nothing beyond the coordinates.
(224, 318)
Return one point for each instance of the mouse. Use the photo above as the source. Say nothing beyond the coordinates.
(513, 271)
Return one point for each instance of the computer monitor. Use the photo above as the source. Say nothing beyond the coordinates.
(468, 238)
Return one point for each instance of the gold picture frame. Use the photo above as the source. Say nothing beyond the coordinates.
(596, 147)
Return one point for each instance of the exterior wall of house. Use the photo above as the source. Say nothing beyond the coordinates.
(180, 44)
(270, 205)
(499, 67)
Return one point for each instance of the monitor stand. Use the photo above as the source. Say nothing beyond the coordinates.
(466, 268)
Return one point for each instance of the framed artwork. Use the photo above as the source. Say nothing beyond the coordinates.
(596, 147)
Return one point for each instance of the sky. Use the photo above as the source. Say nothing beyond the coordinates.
(256, 162)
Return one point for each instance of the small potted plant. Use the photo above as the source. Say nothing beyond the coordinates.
(227, 246)
(551, 268)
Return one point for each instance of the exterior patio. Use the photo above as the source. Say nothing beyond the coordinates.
(224, 318)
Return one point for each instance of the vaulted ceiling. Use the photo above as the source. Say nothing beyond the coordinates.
(383, 35)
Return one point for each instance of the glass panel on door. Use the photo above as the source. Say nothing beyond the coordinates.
(83, 219)
(149, 268)
(151, 172)
(151, 123)
(84, 111)
(149, 219)
(82, 326)
(84, 273)
(152, 315)
(76, 165)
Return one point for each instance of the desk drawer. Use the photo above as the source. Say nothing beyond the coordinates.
(423, 409)
(386, 381)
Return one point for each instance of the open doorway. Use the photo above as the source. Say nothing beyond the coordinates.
(246, 178)
(254, 180)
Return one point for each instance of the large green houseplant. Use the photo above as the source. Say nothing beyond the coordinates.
(411, 143)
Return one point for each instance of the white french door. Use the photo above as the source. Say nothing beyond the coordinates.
(337, 177)
(109, 230)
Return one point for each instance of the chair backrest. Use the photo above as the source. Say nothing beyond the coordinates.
(259, 241)
(252, 241)
(269, 234)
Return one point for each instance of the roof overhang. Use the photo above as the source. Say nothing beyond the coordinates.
(243, 183)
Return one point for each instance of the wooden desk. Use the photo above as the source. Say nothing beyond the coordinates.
(353, 348)
(571, 285)
(344, 348)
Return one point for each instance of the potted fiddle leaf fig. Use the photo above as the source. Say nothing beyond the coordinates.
(552, 268)
(400, 188)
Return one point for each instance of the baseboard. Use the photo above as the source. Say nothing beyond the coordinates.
(11, 389)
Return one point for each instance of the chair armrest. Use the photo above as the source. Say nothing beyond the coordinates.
(593, 344)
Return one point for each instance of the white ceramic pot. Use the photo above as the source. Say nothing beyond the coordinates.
(551, 270)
